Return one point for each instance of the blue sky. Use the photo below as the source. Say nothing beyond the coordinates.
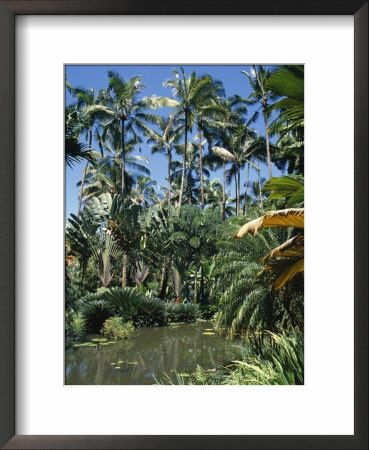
(153, 77)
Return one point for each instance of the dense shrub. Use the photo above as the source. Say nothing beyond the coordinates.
(188, 312)
(184, 312)
(94, 311)
(124, 302)
(208, 311)
(114, 328)
(171, 312)
(133, 306)
(74, 326)
(151, 312)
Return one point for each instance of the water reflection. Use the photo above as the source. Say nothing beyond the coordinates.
(153, 352)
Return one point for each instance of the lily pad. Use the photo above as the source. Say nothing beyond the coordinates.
(117, 367)
(133, 362)
(112, 364)
(209, 329)
(208, 333)
(99, 340)
(120, 362)
(112, 342)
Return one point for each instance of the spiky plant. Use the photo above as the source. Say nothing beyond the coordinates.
(246, 302)
(94, 311)
(283, 363)
(124, 302)
(176, 283)
(188, 312)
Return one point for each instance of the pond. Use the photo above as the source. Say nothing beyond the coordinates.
(148, 355)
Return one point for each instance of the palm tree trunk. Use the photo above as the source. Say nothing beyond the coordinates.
(189, 188)
(267, 143)
(84, 177)
(223, 192)
(169, 184)
(195, 287)
(124, 270)
(246, 186)
(238, 188)
(201, 170)
(202, 283)
(260, 193)
(163, 282)
(184, 164)
(123, 159)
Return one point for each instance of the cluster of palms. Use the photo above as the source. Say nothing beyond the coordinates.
(175, 242)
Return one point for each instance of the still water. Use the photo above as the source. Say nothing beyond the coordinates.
(150, 353)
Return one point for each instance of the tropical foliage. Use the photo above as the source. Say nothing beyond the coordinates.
(216, 241)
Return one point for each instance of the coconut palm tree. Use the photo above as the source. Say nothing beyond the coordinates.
(104, 177)
(213, 193)
(190, 93)
(233, 114)
(89, 120)
(191, 189)
(241, 143)
(164, 141)
(124, 113)
(209, 113)
(262, 94)
(144, 192)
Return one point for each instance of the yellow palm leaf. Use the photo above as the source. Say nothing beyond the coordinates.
(293, 248)
(293, 217)
(285, 269)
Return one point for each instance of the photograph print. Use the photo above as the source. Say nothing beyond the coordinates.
(184, 224)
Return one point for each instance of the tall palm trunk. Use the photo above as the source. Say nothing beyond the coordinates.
(195, 287)
(80, 198)
(238, 189)
(189, 189)
(202, 283)
(201, 170)
(169, 184)
(124, 270)
(267, 139)
(184, 163)
(246, 186)
(223, 192)
(260, 192)
(235, 182)
(123, 159)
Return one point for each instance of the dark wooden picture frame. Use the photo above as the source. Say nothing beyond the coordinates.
(8, 11)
